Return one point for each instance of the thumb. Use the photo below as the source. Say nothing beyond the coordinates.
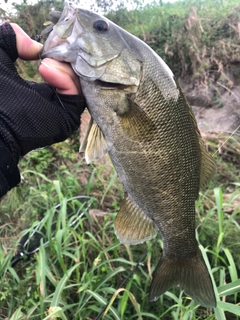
(27, 48)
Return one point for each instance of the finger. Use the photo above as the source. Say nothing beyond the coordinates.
(60, 75)
(27, 48)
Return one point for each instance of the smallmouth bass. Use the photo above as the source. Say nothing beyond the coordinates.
(143, 121)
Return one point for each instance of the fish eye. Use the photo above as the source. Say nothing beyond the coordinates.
(100, 25)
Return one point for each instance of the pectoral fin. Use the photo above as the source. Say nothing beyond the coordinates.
(132, 225)
(94, 144)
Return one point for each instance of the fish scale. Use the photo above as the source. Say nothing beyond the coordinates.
(142, 119)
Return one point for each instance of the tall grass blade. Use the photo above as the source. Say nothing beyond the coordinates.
(40, 271)
(41, 275)
(57, 186)
(59, 238)
(42, 176)
(89, 184)
(110, 184)
(232, 267)
(219, 202)
(4, 263)
(110, 275)
(230, 307)
(125, 298)
(103, 302)
(132, 298)
(14, 274)
(18, 315)
(62, 285)
(219, 313)
(55, 313)
(149, 316)
(229, 289)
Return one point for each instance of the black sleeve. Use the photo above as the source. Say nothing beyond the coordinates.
(32, 115)
(9, 174)
(8, 43)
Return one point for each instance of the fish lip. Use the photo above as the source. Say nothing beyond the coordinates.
(59, 54)
(43, 55)
(40, 54)
(48, 55)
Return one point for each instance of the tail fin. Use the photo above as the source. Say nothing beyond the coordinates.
(190, 274)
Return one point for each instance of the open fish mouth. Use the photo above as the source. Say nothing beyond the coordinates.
(112, 85)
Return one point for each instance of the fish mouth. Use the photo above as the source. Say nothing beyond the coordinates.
(58, 52)
(43, 55)
(112, 86)
(57, 55)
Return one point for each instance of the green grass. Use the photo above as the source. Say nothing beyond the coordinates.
(184, 33)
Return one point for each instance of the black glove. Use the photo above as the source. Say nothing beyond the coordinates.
(32, 115)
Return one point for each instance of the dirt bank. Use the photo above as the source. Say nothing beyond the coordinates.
(216, 106)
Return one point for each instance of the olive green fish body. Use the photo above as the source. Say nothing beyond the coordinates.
(155, 151)
(142, 119)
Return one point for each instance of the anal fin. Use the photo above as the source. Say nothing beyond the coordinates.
(132, 225)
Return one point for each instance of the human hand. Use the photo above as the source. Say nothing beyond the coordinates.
(58, 74)
(35, 114)
(32, 114)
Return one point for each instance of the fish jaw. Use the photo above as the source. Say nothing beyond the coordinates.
(59, 43)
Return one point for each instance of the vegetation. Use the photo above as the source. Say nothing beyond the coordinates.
(80, 265)
(192, 37)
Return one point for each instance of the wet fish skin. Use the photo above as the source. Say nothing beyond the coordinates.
(144, 122)
(54, 17)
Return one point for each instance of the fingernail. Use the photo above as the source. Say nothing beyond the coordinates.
(45, 64)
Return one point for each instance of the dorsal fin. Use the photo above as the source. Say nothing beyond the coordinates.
(208, 166)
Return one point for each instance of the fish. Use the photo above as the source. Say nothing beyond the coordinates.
(54, 17)
(141, 118)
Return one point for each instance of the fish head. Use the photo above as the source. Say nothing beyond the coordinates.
(95, 47)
